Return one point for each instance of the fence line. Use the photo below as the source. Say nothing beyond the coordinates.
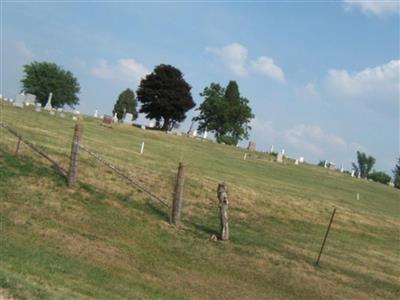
(122, 174)
(34, 148)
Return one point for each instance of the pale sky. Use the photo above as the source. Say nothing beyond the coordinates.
(322, 77)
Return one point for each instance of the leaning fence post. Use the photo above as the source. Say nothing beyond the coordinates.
(326, 235)
(223, 209)
(74, 155)
(178, 192)
(17, 148)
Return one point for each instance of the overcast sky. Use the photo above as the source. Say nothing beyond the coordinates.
(322, 77)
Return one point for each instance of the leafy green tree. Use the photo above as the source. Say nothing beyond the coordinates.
(364, 164)
(225, 113)
(381, 177)
(126, 103)
(165, 96)
(396, 174)
(321, 163)
(43, 78)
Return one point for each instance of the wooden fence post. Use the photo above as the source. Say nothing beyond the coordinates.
(178, 192)
(223, 209)
(17, 148)
(74, 155)
(326, 235)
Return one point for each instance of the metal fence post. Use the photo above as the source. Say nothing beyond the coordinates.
(73, 163)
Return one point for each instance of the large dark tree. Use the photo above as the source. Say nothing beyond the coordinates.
(364, 164)
(396, 174)
(165, 96)
(126, 103)
(43, 78)
(225, 113)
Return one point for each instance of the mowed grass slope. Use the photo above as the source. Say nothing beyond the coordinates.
(105, 240)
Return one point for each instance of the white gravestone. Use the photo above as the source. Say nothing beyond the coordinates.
(96, 114)
(30, 99)
(301, 159)
(115, 119)
(205, 134)
(38, 107)
(48, 104)
(152, 124)
(352, 173)
(19, 100)
(142, 148)
(272, 149)
(194, 134)
(296, 162)
(128, 118)
(279, 157)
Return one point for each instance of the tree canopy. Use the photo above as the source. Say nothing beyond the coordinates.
(126, 103)
(43, 78)
(165, 96)
(381, 177)
(364, 164)
(225, 113)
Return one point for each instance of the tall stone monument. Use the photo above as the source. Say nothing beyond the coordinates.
(48, 104)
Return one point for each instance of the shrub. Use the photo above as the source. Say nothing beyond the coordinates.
(381, 177)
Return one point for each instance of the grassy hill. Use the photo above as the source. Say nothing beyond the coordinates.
(105, 240)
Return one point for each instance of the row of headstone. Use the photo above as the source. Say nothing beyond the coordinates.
(22, 100)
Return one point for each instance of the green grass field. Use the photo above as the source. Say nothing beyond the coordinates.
(105, 240)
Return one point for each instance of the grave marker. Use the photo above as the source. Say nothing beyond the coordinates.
(48, 104)
(128, 118)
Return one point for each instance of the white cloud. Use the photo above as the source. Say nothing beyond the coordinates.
(313, 139)
(369, 7)
(382, 80)
(266, 66)
(308, 92)
(263, 127)
(234, 58)
(123, 70)
(23, 50)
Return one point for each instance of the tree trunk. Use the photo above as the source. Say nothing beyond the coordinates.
(223, 209)
(165, 126)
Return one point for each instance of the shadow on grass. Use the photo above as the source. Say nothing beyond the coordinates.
(154, 210)
(206, 229)
(22, 165)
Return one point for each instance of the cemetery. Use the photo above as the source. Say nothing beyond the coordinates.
(114, 211)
